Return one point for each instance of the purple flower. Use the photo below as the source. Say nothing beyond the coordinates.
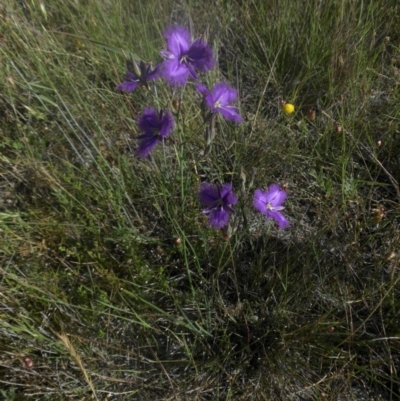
(183, 59)
(137, 75)
(270, 204)
(155, 127)
(218, 200)
(219, 100)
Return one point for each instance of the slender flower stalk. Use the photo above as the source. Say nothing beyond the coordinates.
(183, 58)
(270, 202)
(219, 100)
(138, 75)
(155, 127)
(218, 199)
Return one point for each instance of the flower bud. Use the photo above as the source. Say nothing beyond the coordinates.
(27, 362)
(175, 104)
(136, 68)
(311, 115)
(160, 250)
(224, 234)
(378, 214)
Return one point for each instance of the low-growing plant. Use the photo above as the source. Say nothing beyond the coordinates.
(219, 220)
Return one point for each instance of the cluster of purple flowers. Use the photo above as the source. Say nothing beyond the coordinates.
(220, 198)
(183, 59)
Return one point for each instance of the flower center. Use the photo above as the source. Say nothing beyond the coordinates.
(185, 59)
(269, 206)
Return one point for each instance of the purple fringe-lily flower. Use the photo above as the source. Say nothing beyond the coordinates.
(219, 100)
(218, 199)
(155, 127)
(138, 75)
(183, 58)
(270, 202)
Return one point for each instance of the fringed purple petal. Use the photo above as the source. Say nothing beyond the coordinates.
(202, 89)
(174, 72)
(259, 201)
(209, 101)
(128, 86)
(147, 144)
(130, 76)
(280, 198)
(130, 83)
(153, 75)
(178, 40)
(149, 121)
(208, 194)
(228, 197)
(219, 218)
(201, 56)
(230, 113)
(279, 218)
(192, 72)
(167, 124)
(275, 195)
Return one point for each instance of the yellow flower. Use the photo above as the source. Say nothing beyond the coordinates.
(288, 108)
